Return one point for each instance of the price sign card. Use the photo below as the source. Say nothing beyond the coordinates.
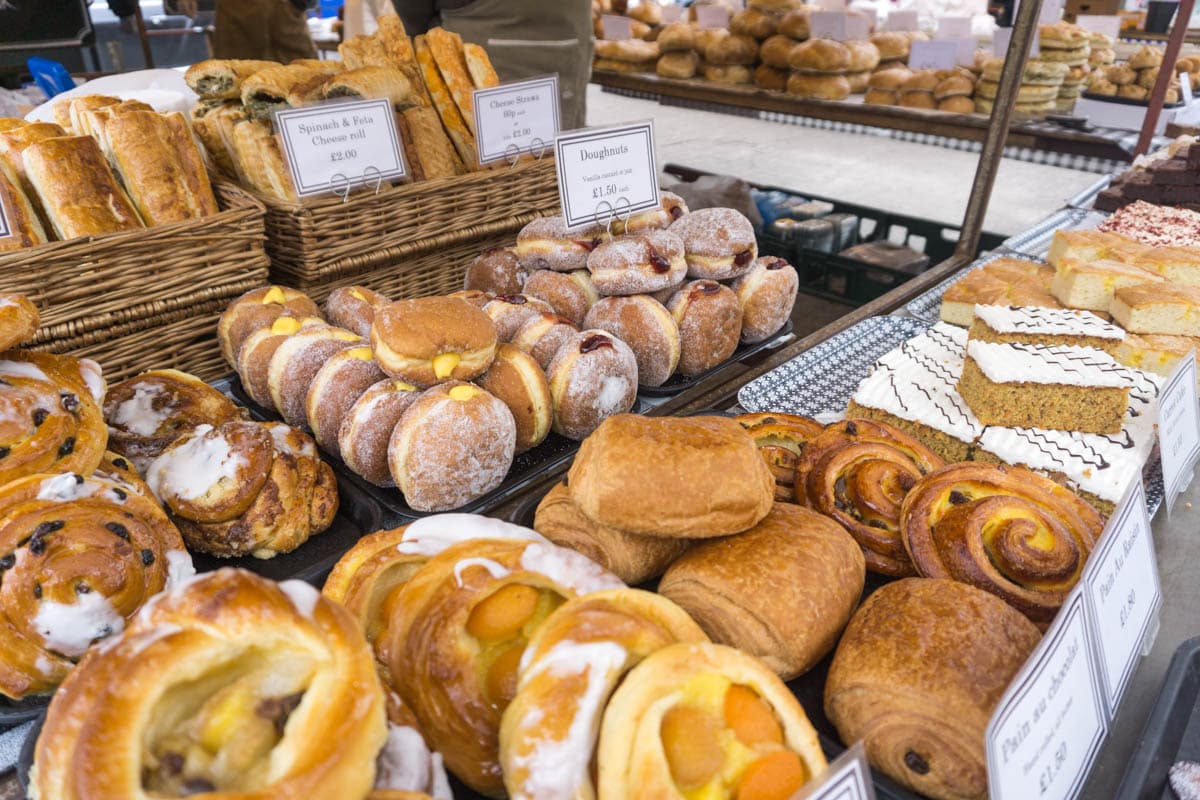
(1048, 727)
(832, 5)
(953, 27)
(715, 16)
(604, 171)
(827, 25)
(847, 778)
(331, 146)
(1000, 39)
(671, 13)
(903, 21)
(1123, 592)
(938, 54)
(858, 28)
(1185, 88)
(1108, 24)
(5, 228)
(616, 28)
(516, 118)
(1179, 427)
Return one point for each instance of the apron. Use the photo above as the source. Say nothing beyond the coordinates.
(274, 30)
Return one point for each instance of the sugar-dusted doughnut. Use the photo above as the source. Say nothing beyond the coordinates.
(296, 362)
(592, 377)
(710, 322)
(254, 356)
(570, 293)
(428, 340)
(509, 312)
(475, 297)
(517, 379)
(720, 243)
(547, 243)
(671, 208)
(366, 429)
(496, 271)
(337, 385)
(766, 293)
(353, 308)
(541, 336)
(647, 327)
(256, 309)
(638, 264)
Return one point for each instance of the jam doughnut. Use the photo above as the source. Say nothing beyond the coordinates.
(496, 271)
(353, 308)
(541, 336)
(336, 386)
(296, 362)
(710, 321)
(254, 357)
(593, 376)
(367, 428)
(509, 312)
(474, 297)
(433, 339)
(453, 445)
(672, 207)
(256, 309)
(647, 327)
(519, 382)
(547, 243)
(720, 243)
(570, 293)
(638, 264)
(767, 293)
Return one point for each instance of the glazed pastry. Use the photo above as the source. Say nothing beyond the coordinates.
(146, 413)
(19, 320)
(543, 335)
(254, 356)
(456, 633)
(366, 429)
(78, 558)
(546, 243)
(720, 243)
(705, 720)
(496, 271)
(674, 477)
(78, 191)
(517, 380)
(709, 317)
(474, 297)
(49, 417)
(647, 327)
(222, 78)
(633, 558)
(433, 339)
(916, 677)
(571, 294)
(510, 311)
(638, 263)
(592, 377)
(858, 472)
(258, 309)
(353, 308)
(335, 389)
(767, 294)
(230, 684)
(296, 362)
(572, 665)
(454, 444)
(1006, 530)
(781, 439)
(782, 591)
(245, 488)
(671, 208)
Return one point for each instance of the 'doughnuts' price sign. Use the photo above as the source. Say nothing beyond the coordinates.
(1179, 427)
(606, 172)
(335, 146)
(516, 118)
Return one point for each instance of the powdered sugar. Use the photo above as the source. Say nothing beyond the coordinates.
(649, 330)
(303, 596)
(406, 764)
(638, 264)
(614, 390)
(93, 376)
(593, 383)
(138, 414)
(365, 432)
(493, 569)
(715, 232)
(190, 468)
(70, 628)
(568, 568)
(431, 535)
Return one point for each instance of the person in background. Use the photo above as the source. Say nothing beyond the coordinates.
(273, 30)
(523, 38)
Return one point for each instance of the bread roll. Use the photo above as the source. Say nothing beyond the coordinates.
(731, 74)
(892, 45)
(678, 64)
(795, 24)
(731, 50)
(864, 56)
(754, 23)
(820, 56)
(770, 78)
(678, 36)
(775, 50)
(821, 87)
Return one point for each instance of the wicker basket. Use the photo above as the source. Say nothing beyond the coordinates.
(137, 278)
(325, 238)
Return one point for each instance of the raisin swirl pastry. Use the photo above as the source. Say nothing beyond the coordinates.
(858, 472)
(781, 439)
(456, 634)
(78, 557)
(1006, 530)
(245, 488)
(19, 320)
(49, 417)
(231, 684)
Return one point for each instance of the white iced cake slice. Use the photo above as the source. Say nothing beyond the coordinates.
(1031, 325)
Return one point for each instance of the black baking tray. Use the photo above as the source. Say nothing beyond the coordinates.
(679, 383)
(1172, 732)
(15, 712)
(1127, 101)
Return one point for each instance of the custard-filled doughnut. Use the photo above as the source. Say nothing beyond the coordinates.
(256, 309)
(496, 271)
(254, 357)
(367, 428)
(453, 445)
(353, 308)
(647, 327)
(720, 243)
(432, 339)
(509, 312)
(475, 297)
(337, 385)
(541, 336)
(19, 320)
(547, 243)
(593, 377)
(570, 293)
(638, 264)
(296, 362)
(767, 293)
(517, 379)
(671, 208)
(709, 317)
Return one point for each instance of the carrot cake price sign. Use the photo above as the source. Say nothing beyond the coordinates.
(604, 173)
(1179, 428)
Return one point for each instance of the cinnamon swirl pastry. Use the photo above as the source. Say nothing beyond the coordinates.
(245, 488)
(232, 685)
(781, 439)
(1006, 530)
(78, 557)
(258, 309)
(858, 472)
(19, 320)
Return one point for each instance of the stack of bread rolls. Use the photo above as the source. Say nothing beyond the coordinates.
(830, 70)
(895, 46)
(1134, 79)
(943, 90)
(1041, 82)
(1068, 44)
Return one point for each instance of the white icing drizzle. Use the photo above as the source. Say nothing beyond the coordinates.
(70, 628)
(65, 488)
(44, 667)
(138, 415)
(1047, 321)
(1059, 365)
(303, 596)
(568, 568)
(495, 570)
(93, 376)
(179, 568)
(431, 535)
(283, 435)
(137, 644)
(190, 469)
(22, 369)
(406, 764)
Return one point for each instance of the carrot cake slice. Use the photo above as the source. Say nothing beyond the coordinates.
(1045, 386)
(1158, 308)
(1017, 324)
(1005, 281)
(1091, 284)
(1155, 352)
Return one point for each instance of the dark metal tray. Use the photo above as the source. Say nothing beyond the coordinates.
(679, 383)
(14, 712)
